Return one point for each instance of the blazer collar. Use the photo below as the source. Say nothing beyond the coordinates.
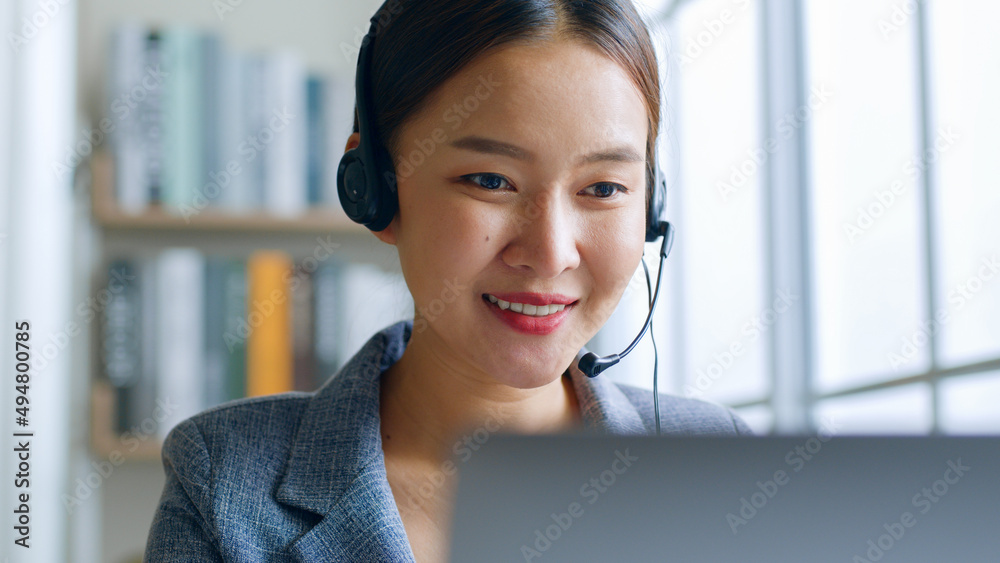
(336, 459)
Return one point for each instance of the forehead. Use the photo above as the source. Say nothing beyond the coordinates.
(562, 95)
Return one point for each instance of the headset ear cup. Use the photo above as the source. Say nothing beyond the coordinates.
(353, 188)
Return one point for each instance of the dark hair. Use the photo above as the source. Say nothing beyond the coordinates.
(422, 43)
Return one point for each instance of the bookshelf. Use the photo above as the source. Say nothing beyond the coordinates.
(110, 218)
(121, 234)
(120, 512)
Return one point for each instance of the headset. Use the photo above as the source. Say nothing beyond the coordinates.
(366, 185)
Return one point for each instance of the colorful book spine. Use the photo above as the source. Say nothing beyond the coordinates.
(302, 331)
(316, 139)
(183, 142)
(236, 329)
(216, 356)
(269, 346)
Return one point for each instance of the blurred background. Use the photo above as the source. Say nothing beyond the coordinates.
(169, 227)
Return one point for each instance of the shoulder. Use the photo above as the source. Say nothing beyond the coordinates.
(684, 416)
(222, 466)
(236, 449)
(253, 426)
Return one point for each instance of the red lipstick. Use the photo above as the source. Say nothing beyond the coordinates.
(528, 324)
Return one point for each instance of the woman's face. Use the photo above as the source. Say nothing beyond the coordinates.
(524, 174)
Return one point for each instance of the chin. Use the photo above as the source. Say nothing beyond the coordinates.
(531, 375)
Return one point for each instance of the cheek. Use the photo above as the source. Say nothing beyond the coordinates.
(616, 253)
(438, 242)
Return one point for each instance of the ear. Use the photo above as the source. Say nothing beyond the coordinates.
(388, 235)
(353, 141)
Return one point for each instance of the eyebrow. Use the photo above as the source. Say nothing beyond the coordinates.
(492, 146)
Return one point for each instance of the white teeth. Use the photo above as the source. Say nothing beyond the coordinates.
(530, 310)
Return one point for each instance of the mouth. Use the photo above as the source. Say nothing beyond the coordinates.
(531, 318)
(526, 308)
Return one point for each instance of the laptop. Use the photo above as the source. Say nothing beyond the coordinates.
(585, 497)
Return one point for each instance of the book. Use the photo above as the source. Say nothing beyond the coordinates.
(136, 401)
(216, 354)
(129, 86)
(180, 352)
(152, 128)
(315, 139)
(183, 99)
(269, 345)
(284, 135)
(326, 311)
(304, 362)
(121, 353)
(236, 174)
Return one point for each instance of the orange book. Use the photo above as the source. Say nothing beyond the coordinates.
(269, 316)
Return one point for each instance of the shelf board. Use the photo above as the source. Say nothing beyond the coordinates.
(109, 216)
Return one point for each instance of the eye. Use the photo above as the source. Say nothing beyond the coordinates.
(491, 182)
(606, 190)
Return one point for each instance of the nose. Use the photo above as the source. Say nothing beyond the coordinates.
(546, 238)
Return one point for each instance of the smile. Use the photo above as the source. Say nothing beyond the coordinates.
(525, 309)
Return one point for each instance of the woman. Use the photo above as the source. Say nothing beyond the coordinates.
(522, 134)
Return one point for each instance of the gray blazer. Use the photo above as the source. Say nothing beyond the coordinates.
(300, 476)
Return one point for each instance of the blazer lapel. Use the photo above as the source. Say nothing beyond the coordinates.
(337, 469)
(363, 526)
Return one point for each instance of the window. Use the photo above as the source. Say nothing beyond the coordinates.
(842, 151)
